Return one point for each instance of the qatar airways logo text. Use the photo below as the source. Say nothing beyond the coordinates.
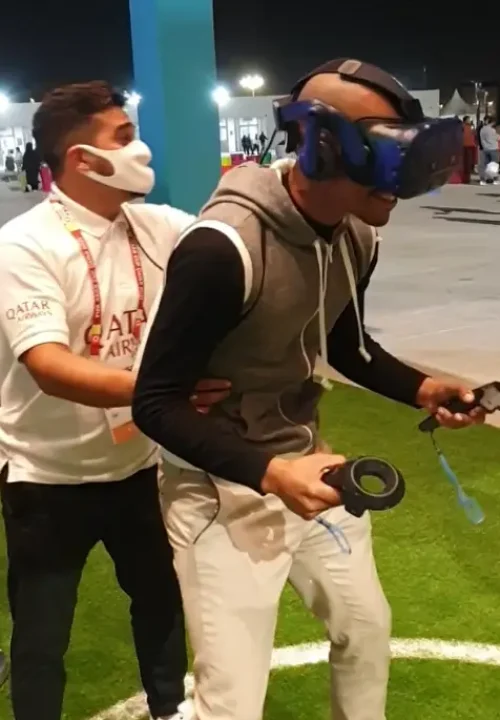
(119, 336)
(28, 310)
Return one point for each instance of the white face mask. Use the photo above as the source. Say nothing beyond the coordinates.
(130, 164)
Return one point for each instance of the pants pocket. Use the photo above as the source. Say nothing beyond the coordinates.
(190, 504)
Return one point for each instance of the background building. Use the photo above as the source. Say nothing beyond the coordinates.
(15, 127)
(254, 115)
(240, 116)
(16, 122)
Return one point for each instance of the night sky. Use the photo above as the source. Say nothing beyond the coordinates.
(44, 42)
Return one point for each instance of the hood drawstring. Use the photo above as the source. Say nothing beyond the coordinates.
(323, 274)
(281, 167)
(323, 281)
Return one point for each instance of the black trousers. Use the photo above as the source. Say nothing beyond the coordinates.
(50, 531)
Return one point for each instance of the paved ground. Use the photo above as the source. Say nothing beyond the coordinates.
(13, 202)
(435, 298)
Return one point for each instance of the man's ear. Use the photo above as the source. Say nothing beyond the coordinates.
(78, 159)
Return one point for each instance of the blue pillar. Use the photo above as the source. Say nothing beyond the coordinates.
(174, 64)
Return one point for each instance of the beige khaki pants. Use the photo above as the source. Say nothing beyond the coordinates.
(234, 552)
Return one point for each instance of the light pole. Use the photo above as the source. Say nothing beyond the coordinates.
(253, 83)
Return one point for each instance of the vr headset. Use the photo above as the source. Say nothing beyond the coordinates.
(406, 157)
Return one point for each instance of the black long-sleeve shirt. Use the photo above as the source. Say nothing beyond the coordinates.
(202, 302)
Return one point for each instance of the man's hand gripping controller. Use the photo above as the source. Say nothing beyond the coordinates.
(350, 481)
(486, 397)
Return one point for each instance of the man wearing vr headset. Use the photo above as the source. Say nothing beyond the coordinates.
(273, 273)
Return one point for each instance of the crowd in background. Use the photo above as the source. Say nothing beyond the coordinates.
(481, 150)
(26, 169)
(253, 147)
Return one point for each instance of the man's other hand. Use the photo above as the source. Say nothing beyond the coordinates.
(434, 393)
(299, 483)
(210, 392)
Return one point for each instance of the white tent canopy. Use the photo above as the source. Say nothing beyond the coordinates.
(457, 106)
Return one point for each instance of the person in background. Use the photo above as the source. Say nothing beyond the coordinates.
(31, 166)
(19, 159)
(263, 141)
(469, 150)
(489, 144)
(479, 144)
(246, 144)
(10, 164)
(79, 273)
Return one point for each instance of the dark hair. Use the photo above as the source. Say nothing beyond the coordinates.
(65, 110)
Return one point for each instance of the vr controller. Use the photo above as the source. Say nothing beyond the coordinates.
(348, 480)
(486, 397)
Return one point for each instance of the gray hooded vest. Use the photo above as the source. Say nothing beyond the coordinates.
(297, 285)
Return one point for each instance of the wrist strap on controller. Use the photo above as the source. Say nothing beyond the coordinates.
(472, 509)
(348, 480)
(486, 397)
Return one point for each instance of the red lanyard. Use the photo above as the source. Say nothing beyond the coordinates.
(95, 333)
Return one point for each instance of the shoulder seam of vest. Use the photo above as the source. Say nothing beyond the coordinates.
(233, 235)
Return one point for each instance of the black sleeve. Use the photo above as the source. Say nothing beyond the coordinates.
(385, 374)
(202, 302)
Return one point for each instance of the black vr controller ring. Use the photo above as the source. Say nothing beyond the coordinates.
(348, 480)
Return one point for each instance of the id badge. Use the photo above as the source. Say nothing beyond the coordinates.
(121, 425)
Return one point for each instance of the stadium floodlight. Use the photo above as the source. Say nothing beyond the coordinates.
(4, 102)
(221, 96)
(253, 83)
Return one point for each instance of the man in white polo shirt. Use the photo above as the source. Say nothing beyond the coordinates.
(78, 276)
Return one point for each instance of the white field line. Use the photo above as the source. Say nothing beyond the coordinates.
(313, 653)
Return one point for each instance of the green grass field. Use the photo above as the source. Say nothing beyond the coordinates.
(440, 573)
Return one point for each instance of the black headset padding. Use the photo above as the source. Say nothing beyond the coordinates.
(328, 157)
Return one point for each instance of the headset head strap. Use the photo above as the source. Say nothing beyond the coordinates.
(371, 76)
